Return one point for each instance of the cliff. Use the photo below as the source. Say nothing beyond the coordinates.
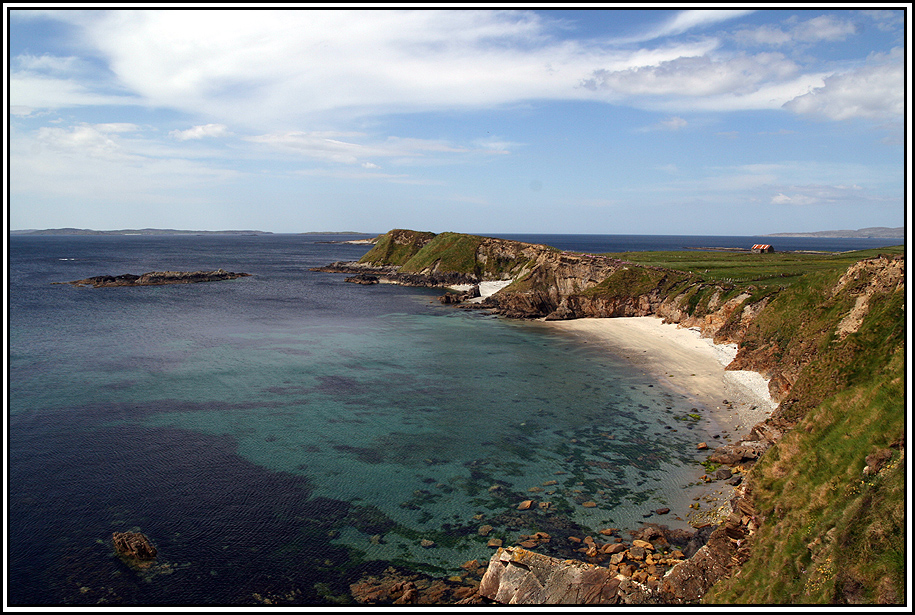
(820, 516)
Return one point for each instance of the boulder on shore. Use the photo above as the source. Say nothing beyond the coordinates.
(519, 576)
(745, 450)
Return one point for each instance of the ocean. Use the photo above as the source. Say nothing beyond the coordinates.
(285, 434)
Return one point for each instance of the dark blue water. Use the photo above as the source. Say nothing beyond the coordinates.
(284, 434)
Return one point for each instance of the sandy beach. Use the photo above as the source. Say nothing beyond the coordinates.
(486, 289)
(683, 360)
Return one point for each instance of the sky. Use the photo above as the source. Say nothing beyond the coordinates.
(695, 122)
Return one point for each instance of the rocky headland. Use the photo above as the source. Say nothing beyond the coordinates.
(157, 278)
(832, 347)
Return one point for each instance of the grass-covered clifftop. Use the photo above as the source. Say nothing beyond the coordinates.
(484, 258)
(396, 247)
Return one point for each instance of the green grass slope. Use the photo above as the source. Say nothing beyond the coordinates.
(423, 252)
(778, 270)
(832, 533)
(396, 247)
(447, 252)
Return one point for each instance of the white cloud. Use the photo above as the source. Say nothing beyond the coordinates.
(40, 92)
(672, 124)
(48, 81)
(21, 110)
(817, 29)
(783, 199)
(116, 127)
(821, 194)
(268, 68)
(47, 63)
(199, 132)
(348, 174)
(886, 20)
(875, 90)
(703, 76)
(356, 148)
(763, 35)
(253, 65)
(823, 28)
(83, 141)
(96, 160)
(688, 20)
(495, 145)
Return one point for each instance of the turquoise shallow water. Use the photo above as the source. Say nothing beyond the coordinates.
(419, 414)
(289, 432)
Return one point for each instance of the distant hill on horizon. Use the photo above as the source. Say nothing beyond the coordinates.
(142, 231)
(874, 232)
(167, 231)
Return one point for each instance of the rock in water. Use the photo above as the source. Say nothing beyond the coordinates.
(362, 278)
(157, 278)
(133, 544)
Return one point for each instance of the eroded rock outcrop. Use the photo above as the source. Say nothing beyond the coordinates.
(863, 280)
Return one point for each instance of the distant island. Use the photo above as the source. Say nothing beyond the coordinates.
(873, 232)
(338, 233)
(142, 231)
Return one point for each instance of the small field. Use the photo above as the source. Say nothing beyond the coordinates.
(780, 269)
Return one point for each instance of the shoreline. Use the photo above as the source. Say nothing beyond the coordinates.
(682, 360)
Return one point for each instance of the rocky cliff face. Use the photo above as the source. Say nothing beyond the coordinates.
(548, 280)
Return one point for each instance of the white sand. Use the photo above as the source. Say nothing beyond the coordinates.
(684, 360)
(486, 289)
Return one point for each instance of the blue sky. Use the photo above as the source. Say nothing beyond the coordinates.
(724, 122)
